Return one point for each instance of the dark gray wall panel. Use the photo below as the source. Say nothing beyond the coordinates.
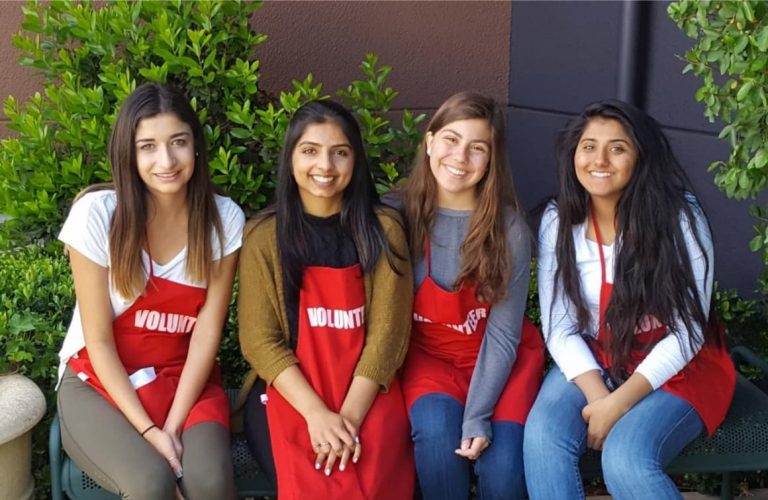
(670, 95)
(563, 55)
(531, 143)
(735, 265)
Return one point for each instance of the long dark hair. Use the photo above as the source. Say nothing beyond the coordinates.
(127, 235)
(653, 274)
(485, 258)
(359, 205)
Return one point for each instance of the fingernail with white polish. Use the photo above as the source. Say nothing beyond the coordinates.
(327, 472)
(341, 467)
(317, 466)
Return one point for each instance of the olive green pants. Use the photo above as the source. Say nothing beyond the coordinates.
(106, 446)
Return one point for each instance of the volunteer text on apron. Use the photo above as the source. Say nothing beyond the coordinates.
(152, 339)
(448, 329)
(330, 341)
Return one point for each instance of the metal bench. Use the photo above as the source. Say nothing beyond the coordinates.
(740, 444)
(68, 481)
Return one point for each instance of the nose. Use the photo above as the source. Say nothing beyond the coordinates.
(166, 157)
(461, 153)
(601, 157)
(325, 161)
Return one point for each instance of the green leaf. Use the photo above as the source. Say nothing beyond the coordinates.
(762, 39)
(744, 90)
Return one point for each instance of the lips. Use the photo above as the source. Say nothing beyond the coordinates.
(322, 180)
(168, 176)
(456, 172)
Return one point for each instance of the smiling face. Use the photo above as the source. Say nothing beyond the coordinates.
(605, 159)
(323, 162)
(165, 154)
(459, 154)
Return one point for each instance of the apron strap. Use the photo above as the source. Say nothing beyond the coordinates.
(599, 243)
(428, 255)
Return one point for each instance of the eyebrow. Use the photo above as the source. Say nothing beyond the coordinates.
(610, 140)
(174, 136)
(310, 143)
(456, 133)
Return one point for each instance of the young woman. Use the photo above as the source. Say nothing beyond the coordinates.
(324, 312)
(625, 279)
(475, 364)
(153, 257)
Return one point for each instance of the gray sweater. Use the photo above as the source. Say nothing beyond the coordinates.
(502, 334)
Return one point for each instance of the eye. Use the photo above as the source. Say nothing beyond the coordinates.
(308, 151)
(588, 146)
(479, 148)
(147, 146)
(617, 149)
(342, 153)
(450, 139)
(179, 142)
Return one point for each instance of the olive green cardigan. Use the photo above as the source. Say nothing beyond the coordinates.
(263, 320)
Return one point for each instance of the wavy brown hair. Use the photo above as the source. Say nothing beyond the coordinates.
(127, 233)
(485, 256)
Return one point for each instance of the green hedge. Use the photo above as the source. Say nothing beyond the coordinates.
(92, 55)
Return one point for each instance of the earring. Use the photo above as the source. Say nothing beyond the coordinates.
(429, 151)
(197, 153)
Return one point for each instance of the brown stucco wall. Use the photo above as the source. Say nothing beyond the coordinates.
(435, 48)
(14, 80)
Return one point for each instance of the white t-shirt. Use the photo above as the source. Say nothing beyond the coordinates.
(87, 231)
(558, 319)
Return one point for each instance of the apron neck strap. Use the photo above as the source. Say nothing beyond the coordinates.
(599, 242)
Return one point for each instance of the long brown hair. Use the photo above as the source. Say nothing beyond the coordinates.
(127, 233)
(485, 258)
(653, 273)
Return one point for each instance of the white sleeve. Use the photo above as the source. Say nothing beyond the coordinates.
(87, 226)
(232, 222)
(670, 355)
(558, 318)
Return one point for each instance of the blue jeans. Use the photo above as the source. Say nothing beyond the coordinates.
(634, 454)
(436, 431)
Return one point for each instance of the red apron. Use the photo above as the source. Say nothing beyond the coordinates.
(707, 382)
(152, 339)
(331, 339)
(448, 329)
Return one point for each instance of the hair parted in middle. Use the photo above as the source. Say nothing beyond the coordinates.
(360, 202)
(653, 273)
(127, 234)
(485, 259)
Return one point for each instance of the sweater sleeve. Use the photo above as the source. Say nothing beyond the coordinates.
(558, 321)
(498, 349)
(262, 328)
(390, 304)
